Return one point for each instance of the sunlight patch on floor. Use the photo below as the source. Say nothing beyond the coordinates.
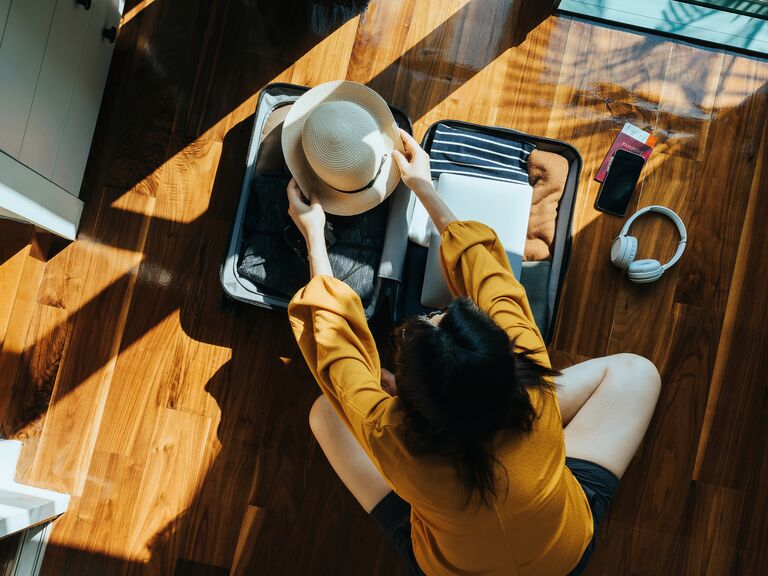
(135, 11)
(425, 20)
(185, 174)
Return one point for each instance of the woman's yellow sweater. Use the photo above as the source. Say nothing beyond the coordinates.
(542, 523)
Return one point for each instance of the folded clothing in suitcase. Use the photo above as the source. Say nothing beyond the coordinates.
(275, 255)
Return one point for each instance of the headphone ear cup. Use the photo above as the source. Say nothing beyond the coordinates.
(623, 251)
(645, 271)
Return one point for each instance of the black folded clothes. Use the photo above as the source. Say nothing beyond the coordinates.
(275, 257)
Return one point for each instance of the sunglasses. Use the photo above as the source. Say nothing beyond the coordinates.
(426, 316)
(434, 313)
(293, 238)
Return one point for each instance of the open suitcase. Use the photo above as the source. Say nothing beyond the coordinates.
(542, 280)
(265, 159)
(400, 274)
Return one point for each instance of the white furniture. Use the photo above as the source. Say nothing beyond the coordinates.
(26, 509)
(54, 60)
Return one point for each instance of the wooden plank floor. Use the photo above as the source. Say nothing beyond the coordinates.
(178, 421)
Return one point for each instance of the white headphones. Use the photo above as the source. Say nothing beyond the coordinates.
(624, 249)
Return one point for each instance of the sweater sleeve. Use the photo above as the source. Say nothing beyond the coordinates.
(475, 265)
(329, 324)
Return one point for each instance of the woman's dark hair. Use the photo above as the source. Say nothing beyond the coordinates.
(460, 383)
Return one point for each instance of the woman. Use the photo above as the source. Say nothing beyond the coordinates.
(475, 457)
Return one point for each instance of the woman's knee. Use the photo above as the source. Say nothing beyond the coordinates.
(637, 376)
(318, 416)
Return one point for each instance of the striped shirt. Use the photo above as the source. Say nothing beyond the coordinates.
(470, 153)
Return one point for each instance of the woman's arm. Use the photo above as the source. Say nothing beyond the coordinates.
(474, 261)
(414, 169)
(476, 265)
(330, 327)
(310, 220)
(330, 324)
(319, 265)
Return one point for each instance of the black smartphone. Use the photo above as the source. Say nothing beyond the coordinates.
(619, 183)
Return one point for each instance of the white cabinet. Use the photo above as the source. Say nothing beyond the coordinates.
(84, 104)
(55, 82)
(21, 51)
(54, 60)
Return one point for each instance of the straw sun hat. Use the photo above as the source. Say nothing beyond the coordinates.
(337, 141)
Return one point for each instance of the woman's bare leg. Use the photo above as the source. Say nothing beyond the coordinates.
(578, 383)
(606, 406)
(346, 456)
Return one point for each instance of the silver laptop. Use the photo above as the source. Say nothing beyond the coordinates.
(504, 206)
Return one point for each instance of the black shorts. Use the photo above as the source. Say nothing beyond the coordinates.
(393, 514)
(600, 485)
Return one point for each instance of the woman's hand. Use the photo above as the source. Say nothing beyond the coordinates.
(414, 168)
(309, 218)
(414, 165)
(388, 383)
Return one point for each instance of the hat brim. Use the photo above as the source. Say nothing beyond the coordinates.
(334, 201)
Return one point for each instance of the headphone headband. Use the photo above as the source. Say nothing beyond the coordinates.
(672, 216)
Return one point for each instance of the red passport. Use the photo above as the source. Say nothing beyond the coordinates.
(632, 139)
